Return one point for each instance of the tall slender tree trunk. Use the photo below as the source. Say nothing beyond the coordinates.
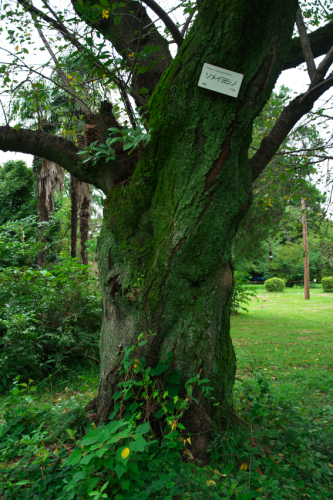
(73, 193)
(50, 176)
(306, 253)
(84, 216)
(164, 252)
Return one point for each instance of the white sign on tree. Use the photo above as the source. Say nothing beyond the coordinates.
(220, 80)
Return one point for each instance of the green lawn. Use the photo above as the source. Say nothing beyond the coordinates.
(280, 446)
(291, 340)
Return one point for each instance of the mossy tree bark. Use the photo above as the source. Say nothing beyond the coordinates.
(165, 247)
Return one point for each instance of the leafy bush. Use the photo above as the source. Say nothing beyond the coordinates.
(274, 285)
(135, 456)
(243, 293)
(327, 284)
(17, 194)
(274, 451)
(47, 319)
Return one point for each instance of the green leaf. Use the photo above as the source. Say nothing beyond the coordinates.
(142, 69)
(74, 458)
(99, 453)
(194, 379)
(133, 467)
(143, 428)
(138, 445)
(108, 463)
(92, 483)
(91, 437)
(112, 427)
(79, 7)
(159, 413)
(144, 342)
(143, 90)
(173, 377)
(120, 469)
(86, 459)
(125, 485)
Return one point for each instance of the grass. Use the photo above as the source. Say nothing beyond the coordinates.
(283, 394)
(291, 340)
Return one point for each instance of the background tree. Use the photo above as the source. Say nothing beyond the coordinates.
(173, 205)
(17, 191)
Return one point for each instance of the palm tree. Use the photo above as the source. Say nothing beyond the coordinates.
(50, 177)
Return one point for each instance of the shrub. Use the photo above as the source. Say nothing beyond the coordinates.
(327, 284)
(274, 285)
(47, 319)
(134, 456)
(243, 293)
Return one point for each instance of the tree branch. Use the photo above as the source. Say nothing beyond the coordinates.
(297, 108)
(322, 68)
(84, 107)
(177, 36)
(103, 175)
(61, 28)
(37, 72)
(305, 44)
(186, 24)
(321, 40)
(132, 17)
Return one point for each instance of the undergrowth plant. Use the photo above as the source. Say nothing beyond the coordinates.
(48, 319)
(142, 452)
(243, 293)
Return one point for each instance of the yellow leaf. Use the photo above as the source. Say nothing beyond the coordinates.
(28, 34)
(188, 440)
(259, 489)
(105, 14)
(17, 47)
(218, 473)
(189, 454)
(211, 483)
(331, 465)
(243, 466)
(131, 55)
(125, 453)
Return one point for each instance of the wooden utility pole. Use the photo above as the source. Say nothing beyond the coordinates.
(306, 253)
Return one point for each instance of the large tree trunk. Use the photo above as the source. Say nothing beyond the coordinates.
(165, 247)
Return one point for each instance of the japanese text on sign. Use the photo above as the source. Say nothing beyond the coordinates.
(220, 80)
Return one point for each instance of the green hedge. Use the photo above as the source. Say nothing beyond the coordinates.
(274, 285)
(327, 284)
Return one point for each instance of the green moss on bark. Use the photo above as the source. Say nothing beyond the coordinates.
(165, 246)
